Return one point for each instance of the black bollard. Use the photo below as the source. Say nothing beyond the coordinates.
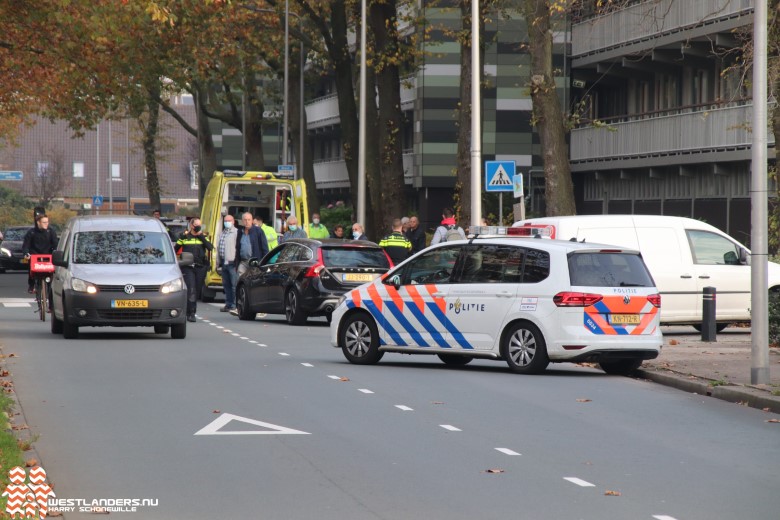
(708, 323)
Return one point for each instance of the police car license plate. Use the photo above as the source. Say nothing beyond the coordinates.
(625, 319)
(358, 277)
(129, 304)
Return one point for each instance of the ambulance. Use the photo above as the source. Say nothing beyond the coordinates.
(273, 196)
(526, 301)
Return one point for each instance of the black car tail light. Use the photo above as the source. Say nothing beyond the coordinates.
(314, 270)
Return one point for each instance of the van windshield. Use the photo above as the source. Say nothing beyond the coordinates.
(608, 270)
(122, 247)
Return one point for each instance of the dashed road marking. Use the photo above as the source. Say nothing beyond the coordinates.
(365, 390)
(17, 304)
(283, 354)
(307, 364)
(235, 334)
(507, 451)
(228, 331)
(334, 377)
(262, 344)
(450, 427)
(579, 482)
(404, 408)
(252, 341)
(221, 327)
(243, 337)
(663, 517)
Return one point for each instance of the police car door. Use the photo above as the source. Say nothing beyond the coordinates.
(483, 292)
(415, 315)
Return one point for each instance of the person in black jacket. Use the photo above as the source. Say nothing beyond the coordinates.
(194, 241)
(416, 235)
(40, 240)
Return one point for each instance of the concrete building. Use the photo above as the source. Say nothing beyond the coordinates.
(672, 111)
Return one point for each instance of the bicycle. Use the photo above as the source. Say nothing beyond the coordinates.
(41, 270)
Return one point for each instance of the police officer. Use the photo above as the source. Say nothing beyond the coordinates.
(396, 245)
(194, 241)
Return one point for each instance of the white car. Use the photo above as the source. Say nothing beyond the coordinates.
(526, 301)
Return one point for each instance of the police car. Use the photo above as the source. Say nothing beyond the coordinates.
(527, 301)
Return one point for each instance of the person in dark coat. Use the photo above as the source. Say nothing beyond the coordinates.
(416, 235)
(195, 242)
(251, 243)
(40, 240)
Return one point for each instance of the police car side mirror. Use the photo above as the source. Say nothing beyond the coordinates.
(58, 259)
(395, 281)
(186, 259)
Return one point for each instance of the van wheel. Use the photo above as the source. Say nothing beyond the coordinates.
(242, 305)
(69, 331)
(524, 349)
(455, 360)
(161, 329)
(179, 330)
(359, 340)
(56, 325)
(622, 367)
(292, 308)
(718, 327)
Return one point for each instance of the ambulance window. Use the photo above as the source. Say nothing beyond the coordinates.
(435, 266)
(491, 264)
(537, 266)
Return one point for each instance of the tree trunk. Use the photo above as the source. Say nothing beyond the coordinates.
(374, 218)
(547, 113)
(383, 16)
(255, 159)
(150, 128)
(463, 187)
(304, 169)
(207, 162)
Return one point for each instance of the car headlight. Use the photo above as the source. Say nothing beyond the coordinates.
(79, 285)
(4, 251)
(172, 286)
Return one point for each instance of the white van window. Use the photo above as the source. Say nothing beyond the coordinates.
(712, 249)
(122, 247)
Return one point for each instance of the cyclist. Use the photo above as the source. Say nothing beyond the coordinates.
(40, 240)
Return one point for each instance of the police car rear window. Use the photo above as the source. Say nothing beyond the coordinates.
(354, 257)
(504, 264)
(608, 270)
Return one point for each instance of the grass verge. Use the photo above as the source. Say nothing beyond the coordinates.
(10, 451)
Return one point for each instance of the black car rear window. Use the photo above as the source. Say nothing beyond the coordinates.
(608, 270)
(354, 257)
(15, 234)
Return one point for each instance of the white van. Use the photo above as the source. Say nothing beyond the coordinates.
(684, 256)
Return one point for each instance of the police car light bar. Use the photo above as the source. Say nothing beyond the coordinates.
(487, 230)
(532, 230)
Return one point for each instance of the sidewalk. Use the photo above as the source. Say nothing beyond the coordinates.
(719, 369)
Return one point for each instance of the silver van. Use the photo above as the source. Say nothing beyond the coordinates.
(118, 271)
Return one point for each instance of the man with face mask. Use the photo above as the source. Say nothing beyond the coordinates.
(293, 230)
(357, 232)
(226, 261)
(317, 230)
(194, 241)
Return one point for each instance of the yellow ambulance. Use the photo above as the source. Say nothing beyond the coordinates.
(273, 196)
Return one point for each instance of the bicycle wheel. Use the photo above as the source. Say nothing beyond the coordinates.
(40, 298)
(44, 301)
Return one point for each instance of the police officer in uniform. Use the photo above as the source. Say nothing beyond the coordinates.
(396, 245)
(194, 241)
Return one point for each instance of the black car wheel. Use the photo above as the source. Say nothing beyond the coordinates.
(524, 349)
(621, 367)
(161, 329)
(242, 304)
(179, 330)
(292, 308)
(69, 331)
(455, 359)
(359, 340)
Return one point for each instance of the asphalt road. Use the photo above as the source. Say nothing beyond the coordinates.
(117, 413)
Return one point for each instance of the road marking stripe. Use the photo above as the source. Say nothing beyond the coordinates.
(16, 305)
(220, 327)
(450, 427)
(334, 377)
(252, 341)
(262, 345)
(404, 408)
(243, 337)
(307, 364)
(228, 331)
(365, 390)
(17, 300)
(579, 482)
(283, 354)
(507, 451)
(235, 334)
(663, 517)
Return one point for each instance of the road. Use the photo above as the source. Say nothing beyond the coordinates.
(410, 438)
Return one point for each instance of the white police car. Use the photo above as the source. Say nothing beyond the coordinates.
(524, 300)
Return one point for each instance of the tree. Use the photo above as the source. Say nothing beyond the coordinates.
(50, 177)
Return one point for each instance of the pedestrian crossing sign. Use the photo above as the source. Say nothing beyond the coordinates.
(498, 175)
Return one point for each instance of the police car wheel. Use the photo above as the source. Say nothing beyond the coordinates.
(455, 360)
(622, 367)
(524, 349)
(359, 340)
(292, 308)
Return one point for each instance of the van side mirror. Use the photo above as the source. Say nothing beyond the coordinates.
(743, 256)
(58, 259)
(186, 259)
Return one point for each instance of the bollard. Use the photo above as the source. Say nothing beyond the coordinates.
(708, 323)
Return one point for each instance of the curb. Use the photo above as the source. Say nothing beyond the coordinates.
(752, 397)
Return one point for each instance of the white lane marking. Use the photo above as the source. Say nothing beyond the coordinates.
(450, 427)
(243, 337)
(307, 364)
(214, 427)
(663, 517)
(252, 341)
(579, 482)
(262, 345)
(219, 305)
(404, 408)
(221, 327)
(13, 304)
(228, 331)
(235, 334)
(365, 390)
(283, 354)
(507, 451)
(17, 300)
(206, 321)
(335, 377)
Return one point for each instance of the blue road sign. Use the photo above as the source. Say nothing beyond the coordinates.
(11, 176)
(97, 201)
(498, 175)
(286, 170)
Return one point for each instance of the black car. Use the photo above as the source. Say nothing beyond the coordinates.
(11, 248)
(305, 277)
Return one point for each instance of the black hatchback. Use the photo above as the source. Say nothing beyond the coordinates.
(304, 277)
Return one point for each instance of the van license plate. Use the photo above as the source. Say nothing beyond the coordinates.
(625, 319)
(129, 304)
(358, 277)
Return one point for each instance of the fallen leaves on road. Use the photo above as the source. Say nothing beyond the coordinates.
(215, 411)
(18, 427)
(494, 470)
(6, 384)
(437, 402)
(773, 420)
(584, 400)
(30, 463)
(4, 373)
(611, 493)
(343, 379)
(674, 342)
(12, 355)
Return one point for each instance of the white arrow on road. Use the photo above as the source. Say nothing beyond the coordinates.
(215, 427)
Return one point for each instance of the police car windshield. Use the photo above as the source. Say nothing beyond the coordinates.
(122, 247)
(354, 257)
(608, 270)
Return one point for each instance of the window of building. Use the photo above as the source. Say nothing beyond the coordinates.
(42, 168)
(78, 169)
(115, 171)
